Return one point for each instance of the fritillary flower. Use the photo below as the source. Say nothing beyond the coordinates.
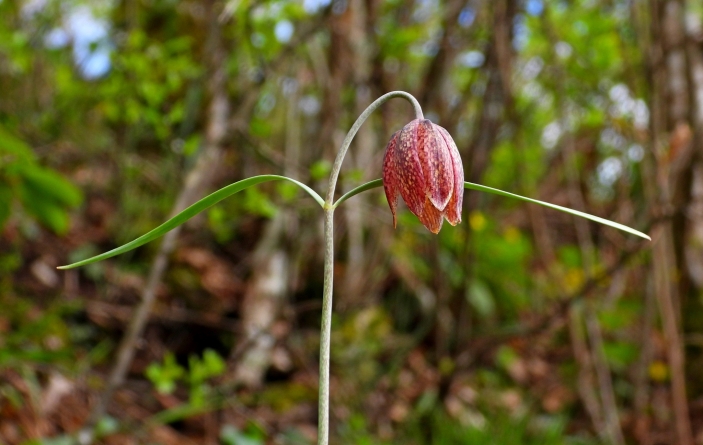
(423, 164)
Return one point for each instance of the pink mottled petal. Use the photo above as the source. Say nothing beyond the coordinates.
(436, 164)
(453, 209)
(408, 171)
(390, 181)
(431, 217)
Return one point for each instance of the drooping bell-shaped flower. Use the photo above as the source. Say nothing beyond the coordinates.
(423, 164)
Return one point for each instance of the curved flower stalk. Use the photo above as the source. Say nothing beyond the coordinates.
(421, 163)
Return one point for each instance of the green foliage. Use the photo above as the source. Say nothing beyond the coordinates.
(320, 170)
(481, 298)
(38, 336)
(500, 430)
(220, 223)
(130, 136)
(257, 203)
(200, 371)
(437, 428)
(157, 103)
(166, 376)
(41, 192)
(230, 435)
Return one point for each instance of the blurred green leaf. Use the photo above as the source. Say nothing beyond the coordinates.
(320, 170)
(481, 298)
(43, 193)
(230, 435)
(12, 149)
(165, 376)
(257, 203)
(106, 426)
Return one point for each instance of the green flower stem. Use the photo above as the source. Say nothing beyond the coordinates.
(323, 407)
(323, 428)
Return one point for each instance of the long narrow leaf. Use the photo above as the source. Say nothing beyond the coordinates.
(355, 191)
(483, 188)
(193, 210)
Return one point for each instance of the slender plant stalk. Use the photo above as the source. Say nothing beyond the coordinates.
(337, 166)
(323, 408)
(323, 428)
(328, 205)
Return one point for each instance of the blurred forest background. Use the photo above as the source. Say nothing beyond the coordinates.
(521, 325)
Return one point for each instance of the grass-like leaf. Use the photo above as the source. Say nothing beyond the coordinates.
(624, 228)
(356, 190)
(483, 188)
(231, 189)
(193, 210)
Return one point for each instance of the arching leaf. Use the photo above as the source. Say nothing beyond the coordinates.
(191, 211)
